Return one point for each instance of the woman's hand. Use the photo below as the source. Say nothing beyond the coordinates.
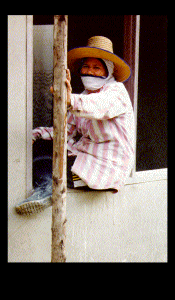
(69, 88)
(51, 89)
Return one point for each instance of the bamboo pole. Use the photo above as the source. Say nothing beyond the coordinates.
(59, 173)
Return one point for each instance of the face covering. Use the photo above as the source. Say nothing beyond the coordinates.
(93, 83)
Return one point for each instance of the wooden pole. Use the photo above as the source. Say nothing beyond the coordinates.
(59, 173)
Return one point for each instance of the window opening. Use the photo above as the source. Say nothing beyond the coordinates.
(152, 94)
(42, 98)
(43, 60)
(151, 149)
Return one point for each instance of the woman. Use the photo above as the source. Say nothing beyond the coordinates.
(100, 122)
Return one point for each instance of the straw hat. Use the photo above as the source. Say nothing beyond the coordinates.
(99, 47)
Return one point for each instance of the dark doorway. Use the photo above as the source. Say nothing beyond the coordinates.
(152, 94)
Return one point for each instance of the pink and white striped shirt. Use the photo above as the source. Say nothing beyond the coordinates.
(105, 122)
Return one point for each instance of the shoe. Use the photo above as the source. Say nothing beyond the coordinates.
(77, 182)
(35, 203)
(34, 206)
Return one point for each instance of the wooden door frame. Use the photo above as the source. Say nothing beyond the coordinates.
(131, 47)
(131, 56)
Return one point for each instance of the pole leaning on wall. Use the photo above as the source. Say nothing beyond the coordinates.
(59, 173)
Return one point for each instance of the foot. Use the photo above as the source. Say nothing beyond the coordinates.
(35, 203)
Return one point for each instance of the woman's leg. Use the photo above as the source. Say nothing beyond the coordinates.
(41, 197)
(42, 179)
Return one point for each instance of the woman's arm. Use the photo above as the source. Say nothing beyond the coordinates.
(45, 133)
(71, 126)
(103, 105)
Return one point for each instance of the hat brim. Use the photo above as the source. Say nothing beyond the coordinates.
(121, 73)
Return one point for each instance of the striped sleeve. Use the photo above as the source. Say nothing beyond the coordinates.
(107, 104)
(45, 133)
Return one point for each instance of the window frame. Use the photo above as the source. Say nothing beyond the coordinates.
(131, 56)
(29, 99)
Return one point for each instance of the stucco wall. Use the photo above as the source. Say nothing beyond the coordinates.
(16, 108)
(101, 227)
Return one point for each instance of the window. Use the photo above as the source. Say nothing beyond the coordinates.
(142, 42)
(151, 151)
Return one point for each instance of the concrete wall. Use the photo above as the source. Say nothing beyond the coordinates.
(16, 108)
(101, 227)
(130, 226)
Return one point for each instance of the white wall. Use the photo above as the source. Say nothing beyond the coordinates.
(130, 226)
(16, 108)
(101, 227)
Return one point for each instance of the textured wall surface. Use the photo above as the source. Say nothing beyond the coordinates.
(101, 227)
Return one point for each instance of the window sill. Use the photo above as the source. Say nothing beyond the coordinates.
(146, 176)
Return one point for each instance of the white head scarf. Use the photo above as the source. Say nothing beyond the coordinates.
(93, 83)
